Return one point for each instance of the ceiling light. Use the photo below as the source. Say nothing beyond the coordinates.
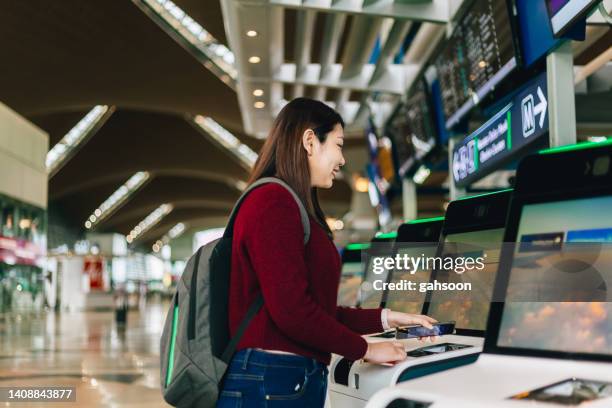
(58, 155)
(254, 59)
(220, 58)
(223, 137)
(115, 200)
(597, 139)
(259, 105)
(251, 33)
(152, 219)
(362, 184)
(421, 174)
(87, 224)
(177, 230)
(258, 92)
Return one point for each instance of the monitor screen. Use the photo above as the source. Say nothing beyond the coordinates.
(405, 155)
(369, 297)
(564, 12)
(410, 301)
(564, 249)
(478, 55)
(469, 309)
(352, 275)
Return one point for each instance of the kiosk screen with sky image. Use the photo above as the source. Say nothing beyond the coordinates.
(352, 275)
(410, 301)
(469, 309)
(557, 297)
(369, 297)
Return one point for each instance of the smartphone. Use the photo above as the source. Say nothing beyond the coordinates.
(410, 332)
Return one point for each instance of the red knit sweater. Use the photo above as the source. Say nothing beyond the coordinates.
(299, 283)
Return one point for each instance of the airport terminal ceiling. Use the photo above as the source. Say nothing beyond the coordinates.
(75, 55)
(69, 56)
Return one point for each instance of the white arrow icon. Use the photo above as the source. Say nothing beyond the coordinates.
(540, 108)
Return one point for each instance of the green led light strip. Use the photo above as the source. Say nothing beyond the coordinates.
(483, 194)
(357, 247)
(172, 344)
(392, 234)
(422, 220)
(577, 146)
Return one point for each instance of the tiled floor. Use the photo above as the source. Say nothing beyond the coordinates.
(108, 366)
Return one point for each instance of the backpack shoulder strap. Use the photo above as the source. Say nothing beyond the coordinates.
(229, 229)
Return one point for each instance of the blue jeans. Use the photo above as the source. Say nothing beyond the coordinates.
(258, 379)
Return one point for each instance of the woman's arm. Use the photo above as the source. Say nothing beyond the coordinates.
(362, 321)
(276, 250)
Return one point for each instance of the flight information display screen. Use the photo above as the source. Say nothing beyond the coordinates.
(479, 54)
(414, 127)
(469, 310)
(564, 251)
(348, 291)
(410, 301)
(405, 154)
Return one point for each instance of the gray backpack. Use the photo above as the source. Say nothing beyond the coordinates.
(196, 347)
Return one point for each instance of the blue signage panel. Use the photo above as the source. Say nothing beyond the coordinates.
(519, 123)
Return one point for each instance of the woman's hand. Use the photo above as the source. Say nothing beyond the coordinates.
(385, 352)
(399, 319)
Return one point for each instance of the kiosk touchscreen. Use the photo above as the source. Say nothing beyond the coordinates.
(549, 333)
(380, 245)
(352, 274)
(472, 227)
(413, 238)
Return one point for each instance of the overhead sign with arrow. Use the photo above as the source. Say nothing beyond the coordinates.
(505, 136)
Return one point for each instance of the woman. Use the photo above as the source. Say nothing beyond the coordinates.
(282, 357)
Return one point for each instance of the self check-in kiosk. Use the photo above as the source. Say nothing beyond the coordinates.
(353, 270)
(548, 337)
(472, 226)
(417, 235)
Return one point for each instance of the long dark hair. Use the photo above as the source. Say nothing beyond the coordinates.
(283, 155)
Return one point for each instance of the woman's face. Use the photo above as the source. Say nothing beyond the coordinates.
(324, 159)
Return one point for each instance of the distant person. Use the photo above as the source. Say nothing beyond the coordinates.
(283, 354)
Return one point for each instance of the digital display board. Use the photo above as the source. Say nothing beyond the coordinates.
(521, 122)
(478, 55)
(414, 132)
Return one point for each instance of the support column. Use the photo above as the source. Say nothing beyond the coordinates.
(409, 199)
(561, 98)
